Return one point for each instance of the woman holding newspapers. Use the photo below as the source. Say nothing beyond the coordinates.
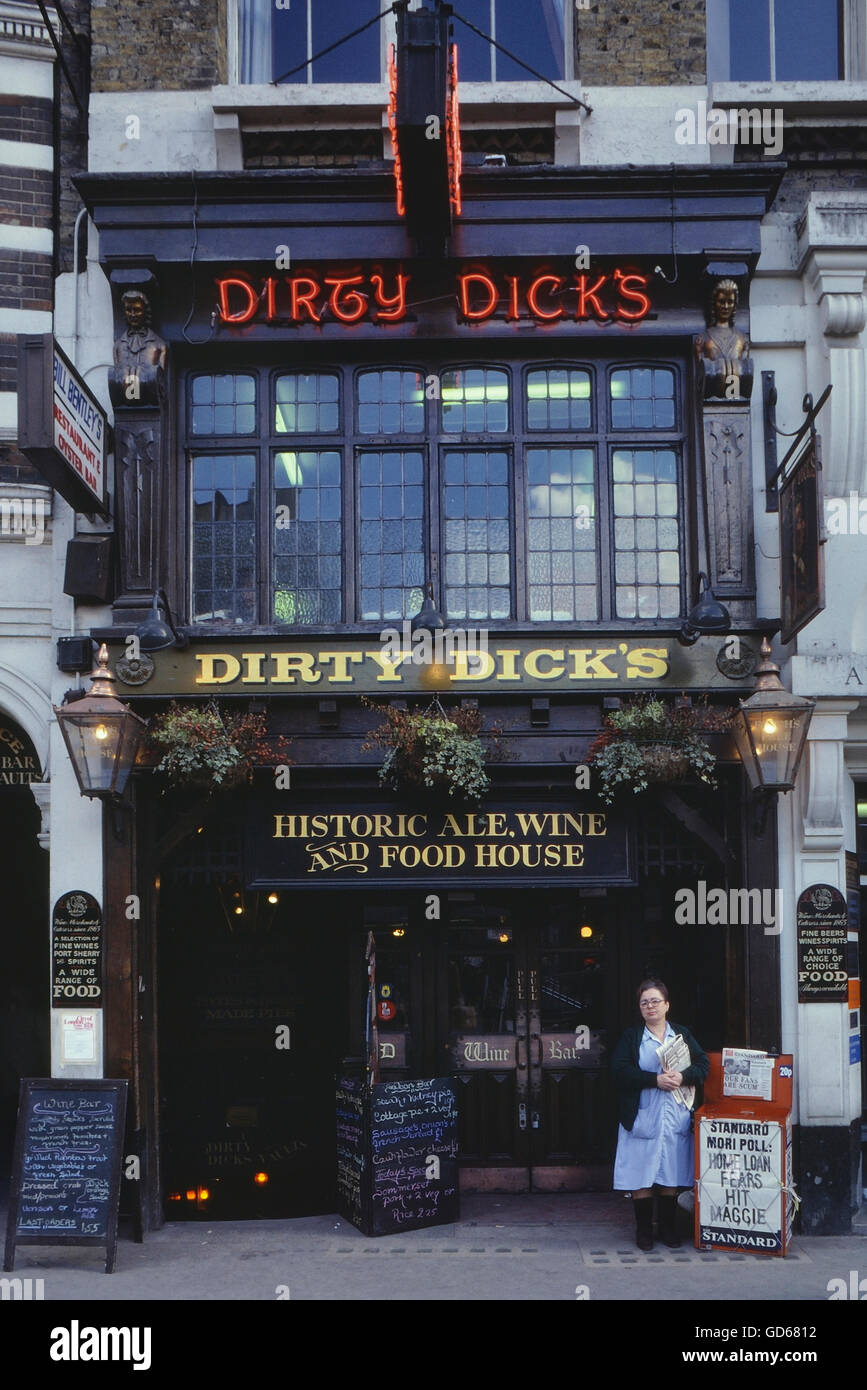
(657, 1067)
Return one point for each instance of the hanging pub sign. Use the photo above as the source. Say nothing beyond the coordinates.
(802, 569)
(543, 295)
(822, 926)
(76, 951)
(62, 428)
(578, 844)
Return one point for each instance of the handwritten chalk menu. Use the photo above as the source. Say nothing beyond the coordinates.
(744, 1187)
(822, 924)
(397, 1154)
(351, 1149)
(414, 1144)
(65, 1186)
(76, 951)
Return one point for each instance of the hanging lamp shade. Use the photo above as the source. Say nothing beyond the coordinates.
(102, 735)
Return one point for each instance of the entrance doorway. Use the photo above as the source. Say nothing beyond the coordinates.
(517, 997)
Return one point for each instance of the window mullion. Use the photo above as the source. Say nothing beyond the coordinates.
(520, 512)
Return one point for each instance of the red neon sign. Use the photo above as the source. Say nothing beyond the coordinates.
(453, 132)
(391, 117)
(546, 298)
(306, 298)
(549, 298)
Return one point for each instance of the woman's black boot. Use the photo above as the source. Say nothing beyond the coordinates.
(668, 1222)
(643, 1222)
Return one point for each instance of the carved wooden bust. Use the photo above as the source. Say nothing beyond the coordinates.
(723, 352)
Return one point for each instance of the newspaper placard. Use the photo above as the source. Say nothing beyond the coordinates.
(741, 1168)
(747, 1073)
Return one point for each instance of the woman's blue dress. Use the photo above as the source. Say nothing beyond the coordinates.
(659, 1147)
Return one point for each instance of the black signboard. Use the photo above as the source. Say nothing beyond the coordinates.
(822, 926)
(573, 843)
(65, 1184)
(802, 571)
(397, 1147)
(76, 951)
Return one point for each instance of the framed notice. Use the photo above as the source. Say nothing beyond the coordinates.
(65, 1185)
(822, 929)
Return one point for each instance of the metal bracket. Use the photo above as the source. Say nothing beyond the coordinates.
(769, 416)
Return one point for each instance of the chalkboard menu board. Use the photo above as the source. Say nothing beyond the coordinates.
(65, 1186)
(351, 1148)
(397, 1147)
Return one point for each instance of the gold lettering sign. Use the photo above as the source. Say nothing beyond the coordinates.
(358, 846)
(364, 665)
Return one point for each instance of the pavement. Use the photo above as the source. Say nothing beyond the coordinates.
(542, 1247)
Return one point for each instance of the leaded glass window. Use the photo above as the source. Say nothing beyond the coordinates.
(308, 571)
(646, 533)
(391, 534)
(562, 535)
(306, 403)
(642, 398)
(559, 398)
(223, 404)
(477, 534)
(475, 400)
(390, 402)
(224, 539)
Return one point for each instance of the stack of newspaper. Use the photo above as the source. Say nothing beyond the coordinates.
(674, 1056)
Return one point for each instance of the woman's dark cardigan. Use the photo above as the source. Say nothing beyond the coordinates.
(631, 1080)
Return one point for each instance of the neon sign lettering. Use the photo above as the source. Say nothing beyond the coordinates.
(311, 298)
(307, 299)
(550, 298)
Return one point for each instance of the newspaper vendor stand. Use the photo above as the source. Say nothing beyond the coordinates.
(743, 1154)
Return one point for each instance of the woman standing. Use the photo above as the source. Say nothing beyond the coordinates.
(654, 1141)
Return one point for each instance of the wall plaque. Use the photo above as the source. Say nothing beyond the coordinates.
(76, 951)
(822, 924)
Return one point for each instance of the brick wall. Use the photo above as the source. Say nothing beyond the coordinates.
(643, 43)
(164, 45)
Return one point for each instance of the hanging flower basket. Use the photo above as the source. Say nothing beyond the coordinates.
(650, 742)
(436, 755)
(201, 748)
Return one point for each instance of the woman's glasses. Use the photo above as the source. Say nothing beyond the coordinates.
(649, 1003)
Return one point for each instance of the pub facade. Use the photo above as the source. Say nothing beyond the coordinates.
(522, 390)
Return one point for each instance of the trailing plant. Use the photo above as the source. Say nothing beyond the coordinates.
(651, 741)
(202, 746)
(434, 752)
